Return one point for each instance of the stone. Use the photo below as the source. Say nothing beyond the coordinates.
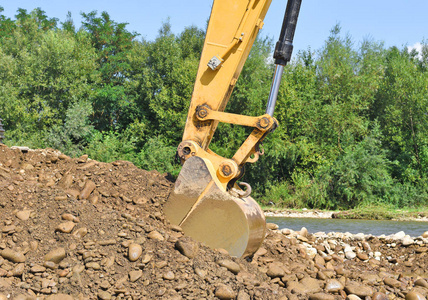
(242, 295)
(87, 189)
(56, 255)
(379, 296)
(104, 295)
(399, 235)
(169, 275)
(135, 275)
(425, 234)
(134, 251)
(414, 296)
(350, 254)
(230, 265)
(187, 247)
(60, 297)
(362, 256)
(65, 227)
(37, 269)
(312, 285)
(359, 290)
(407, 241)
(353, 297)
(321, 296)
(333, 286)
(80, 233)
(18, 270)
(392, 282)
(154, 235)
(275, 270)
(23, 215)
(421, 282)
(224, 292)
(13, 256)
(272, 226)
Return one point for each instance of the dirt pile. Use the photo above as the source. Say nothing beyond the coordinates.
(81, 229)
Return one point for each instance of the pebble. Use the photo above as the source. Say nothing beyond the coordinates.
(414, 296)
(13, 256)
(362, 256)
(225, 292)
(353, 297)
(154, 235)
(421, 282)
(379, 296)
(359, 290)
(81, 232)
(169, 275)
(230, 265)
(135, 275)
(104, 295)
(18, 270)
(65, 227)
(37, 269)
(333, 285)
(87, 189)
(187, 247)
(134, 252)
(407, 241)
(59, 297)
(56, 255)
(23, 215)
(425, 235)
(272, 226)
(274, 270)
(321, 296)
(392, 282)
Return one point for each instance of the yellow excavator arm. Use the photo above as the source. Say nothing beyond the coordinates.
(206, 202)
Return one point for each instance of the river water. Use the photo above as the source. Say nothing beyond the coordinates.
(374, 227)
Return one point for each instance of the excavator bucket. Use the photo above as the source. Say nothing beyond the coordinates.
(209, 214)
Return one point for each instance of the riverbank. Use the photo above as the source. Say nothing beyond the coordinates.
(375, 213)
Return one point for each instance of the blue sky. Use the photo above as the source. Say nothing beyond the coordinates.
(395, 22)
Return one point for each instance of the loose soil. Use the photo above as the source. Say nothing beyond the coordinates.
(75, 228)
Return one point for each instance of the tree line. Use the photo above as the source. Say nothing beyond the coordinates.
(353, 116)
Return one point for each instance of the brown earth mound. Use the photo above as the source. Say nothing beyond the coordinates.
(82, 229)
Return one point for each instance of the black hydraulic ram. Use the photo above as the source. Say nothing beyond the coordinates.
(283, 50)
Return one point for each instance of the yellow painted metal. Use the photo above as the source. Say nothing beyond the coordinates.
(203, 201)
(230, 21)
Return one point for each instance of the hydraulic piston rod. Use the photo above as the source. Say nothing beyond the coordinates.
(283, 50)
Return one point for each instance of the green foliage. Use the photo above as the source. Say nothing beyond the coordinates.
(352, 119)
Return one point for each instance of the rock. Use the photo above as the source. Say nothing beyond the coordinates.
(134, 251)
(23, 215)
(242, 295)
(56, 255)
(135, 275)
(399, 235)
(350, 254)
(353, 297)
(65, 227)
(362, 256)
(414, 296)
(93, 265)
(154, 235)
(60, 297)
(312, 285)
(18, 270)
(333, 286)
(37, 269)
(359, 290)
(321, 296)
(272, 226)
(407, 241)
(13, 256)
(421, 282)
(169, 275)
(303, 232)
(187, 247)
(392, 282)
(87, 189)
(80, 233)
(379, 296)
(275, 270)
(104, 295)
(224, 292)
(425, 234)
(230, 265)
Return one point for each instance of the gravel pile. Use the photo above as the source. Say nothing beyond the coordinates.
(75, 228)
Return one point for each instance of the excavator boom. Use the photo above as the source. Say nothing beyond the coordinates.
(206, 201)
